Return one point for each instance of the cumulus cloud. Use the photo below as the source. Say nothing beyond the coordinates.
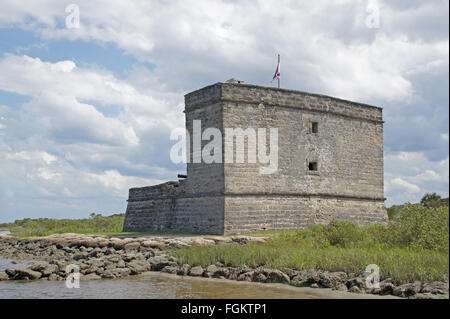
(409, 175)
(100, 129)
(63, 144)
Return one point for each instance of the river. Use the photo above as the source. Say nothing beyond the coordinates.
(156, 285)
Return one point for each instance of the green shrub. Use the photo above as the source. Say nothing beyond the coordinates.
(420, 227)
(343, 234)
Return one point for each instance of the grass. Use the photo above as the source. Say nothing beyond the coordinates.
(414, 246)
(97, 224)
(401, 264)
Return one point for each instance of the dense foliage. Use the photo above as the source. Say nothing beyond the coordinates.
(97, 224)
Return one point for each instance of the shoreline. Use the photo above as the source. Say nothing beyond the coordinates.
(103, 257)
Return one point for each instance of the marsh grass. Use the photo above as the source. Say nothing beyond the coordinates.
(401, 264)
(414, 246)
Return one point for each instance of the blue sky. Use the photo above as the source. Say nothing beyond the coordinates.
(86, 113)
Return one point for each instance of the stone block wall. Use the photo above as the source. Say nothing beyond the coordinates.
(271, 212)
(156, 209)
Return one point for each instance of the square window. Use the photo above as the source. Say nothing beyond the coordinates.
(312, 166)
(314, 127)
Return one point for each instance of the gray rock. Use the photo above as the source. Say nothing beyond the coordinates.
(170, 269)
(340, 287)
(428, 296)
(216, 272)
(53, 277)
(332, 279)
(196, 271)
(407, 290)
(80, 256)
(184, 270)
(159, 262)
(91, 277)
(259, 277)
(138, 266)
(48, 270)
(246, 276)
(305, 278)
(210, 271)
(358, 282)
(38, 267)
(277, 276)
(355, 289)
(131, 246)
(109, 274)
(386, 287)
(435, 288)
(26, 274)
(10, 272)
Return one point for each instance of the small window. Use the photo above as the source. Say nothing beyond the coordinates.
(314, 127)
(312, 166)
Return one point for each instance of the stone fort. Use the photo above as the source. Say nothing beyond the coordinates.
(330, 166)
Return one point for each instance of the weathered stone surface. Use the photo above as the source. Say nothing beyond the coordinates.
(131, 246)
(138, 266)
(48, 270)
(196, 271)
(90, 277)
(154, 244)
(170, 269)
(355, 289)
(332, 279)
(159, 262)
(222, 198)
(25, 274)
(184, 270)
(276, 276)
(435, 288)
(407, 290)
(305, 278)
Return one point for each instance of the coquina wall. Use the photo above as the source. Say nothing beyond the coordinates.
(234, 197)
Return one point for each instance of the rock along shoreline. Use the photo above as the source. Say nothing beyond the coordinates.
(103, 257)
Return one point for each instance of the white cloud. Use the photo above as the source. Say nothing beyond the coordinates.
(86, 132)
(409, 175)
(408, 186)
(326, 43)
(61, 142)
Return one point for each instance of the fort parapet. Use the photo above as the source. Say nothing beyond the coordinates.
(330, 166)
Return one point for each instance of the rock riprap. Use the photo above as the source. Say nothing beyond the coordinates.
(100, 257)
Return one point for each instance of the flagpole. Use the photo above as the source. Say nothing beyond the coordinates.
(278, 76)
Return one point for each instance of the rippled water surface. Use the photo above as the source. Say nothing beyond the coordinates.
(159, 285)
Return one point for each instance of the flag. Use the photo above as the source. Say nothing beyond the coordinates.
(277, 72)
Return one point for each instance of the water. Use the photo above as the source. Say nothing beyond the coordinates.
(156, 285)
(4, 232)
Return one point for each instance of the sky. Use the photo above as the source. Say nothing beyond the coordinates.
(86, 109)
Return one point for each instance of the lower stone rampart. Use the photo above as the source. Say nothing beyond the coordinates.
(167, 207)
